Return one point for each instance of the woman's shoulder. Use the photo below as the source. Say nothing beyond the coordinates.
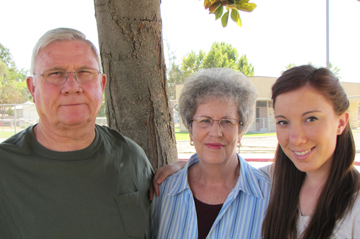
(177, 182)
(356, 206)
(347, 227)
(268, 170)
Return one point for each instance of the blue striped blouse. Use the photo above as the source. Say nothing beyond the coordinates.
(173, 213)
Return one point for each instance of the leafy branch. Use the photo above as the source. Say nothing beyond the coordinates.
(232, 9)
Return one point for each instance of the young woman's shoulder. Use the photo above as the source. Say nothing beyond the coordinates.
(268, 170)
(352, 221)
(348, 227)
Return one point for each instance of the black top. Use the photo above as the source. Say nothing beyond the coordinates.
(206, 215)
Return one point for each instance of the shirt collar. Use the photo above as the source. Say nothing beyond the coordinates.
(182, 177)
(248, 181)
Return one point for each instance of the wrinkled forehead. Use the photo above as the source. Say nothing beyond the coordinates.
(63, 52)
(216, 99)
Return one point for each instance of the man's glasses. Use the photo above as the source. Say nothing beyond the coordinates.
(59, 77)
(226, 124)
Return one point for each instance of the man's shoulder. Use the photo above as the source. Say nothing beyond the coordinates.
(114, 136)
(115, 143)
(179, 178)
(176, 183)
(16, 140)
(175, 178)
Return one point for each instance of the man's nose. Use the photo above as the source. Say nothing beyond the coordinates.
(71, 85)
(68, 74)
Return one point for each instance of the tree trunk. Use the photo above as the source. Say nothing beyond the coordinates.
(131, 50)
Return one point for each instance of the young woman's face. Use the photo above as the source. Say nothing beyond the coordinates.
(307, 128)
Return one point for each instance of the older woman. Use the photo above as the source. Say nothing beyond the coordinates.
(217, 194)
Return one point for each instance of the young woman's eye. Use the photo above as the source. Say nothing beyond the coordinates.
(311, 119)
(281, 122)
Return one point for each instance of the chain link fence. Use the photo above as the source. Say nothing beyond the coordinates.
(16, 117)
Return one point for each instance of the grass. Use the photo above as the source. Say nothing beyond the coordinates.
(182, 135)
(6, 134)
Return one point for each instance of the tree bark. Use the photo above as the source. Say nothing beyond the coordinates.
(131, 50)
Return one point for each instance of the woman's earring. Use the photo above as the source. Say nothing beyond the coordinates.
(191, 142)
(239, 145)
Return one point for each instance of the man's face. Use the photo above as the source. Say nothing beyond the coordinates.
(71, 104)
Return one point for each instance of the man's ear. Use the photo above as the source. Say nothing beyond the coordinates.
(343, 121)
(31, 86)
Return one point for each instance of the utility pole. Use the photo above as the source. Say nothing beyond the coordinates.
(327, 35)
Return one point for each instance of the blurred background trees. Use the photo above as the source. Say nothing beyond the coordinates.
(220, 54)
(13, 89)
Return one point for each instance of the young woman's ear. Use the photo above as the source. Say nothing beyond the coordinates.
(343, 121)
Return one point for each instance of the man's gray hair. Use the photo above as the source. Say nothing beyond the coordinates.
(218, 83)
(60, 34)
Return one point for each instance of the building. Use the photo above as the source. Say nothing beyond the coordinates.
(25, 113)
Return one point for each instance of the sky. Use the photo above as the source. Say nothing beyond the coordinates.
(275, 34)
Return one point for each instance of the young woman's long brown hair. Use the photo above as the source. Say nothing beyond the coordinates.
(338, 194)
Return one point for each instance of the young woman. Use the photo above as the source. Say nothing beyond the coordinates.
(315, 188)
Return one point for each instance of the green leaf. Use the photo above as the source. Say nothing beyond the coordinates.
(219, 12)
(246, 7)
(214, 7)
(225, 19)
(238, 22)
(234, 15)
(239, 2)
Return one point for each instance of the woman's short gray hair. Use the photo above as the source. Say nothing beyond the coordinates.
(60, 34)
(218, 83)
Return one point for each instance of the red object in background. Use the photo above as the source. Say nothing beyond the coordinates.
(356, 163)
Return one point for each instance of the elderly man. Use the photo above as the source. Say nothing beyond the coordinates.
(67, 177)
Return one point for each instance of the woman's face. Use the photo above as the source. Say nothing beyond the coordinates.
(307, 128)
(216, 145)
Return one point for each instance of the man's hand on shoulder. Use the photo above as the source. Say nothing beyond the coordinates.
(162, 173)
